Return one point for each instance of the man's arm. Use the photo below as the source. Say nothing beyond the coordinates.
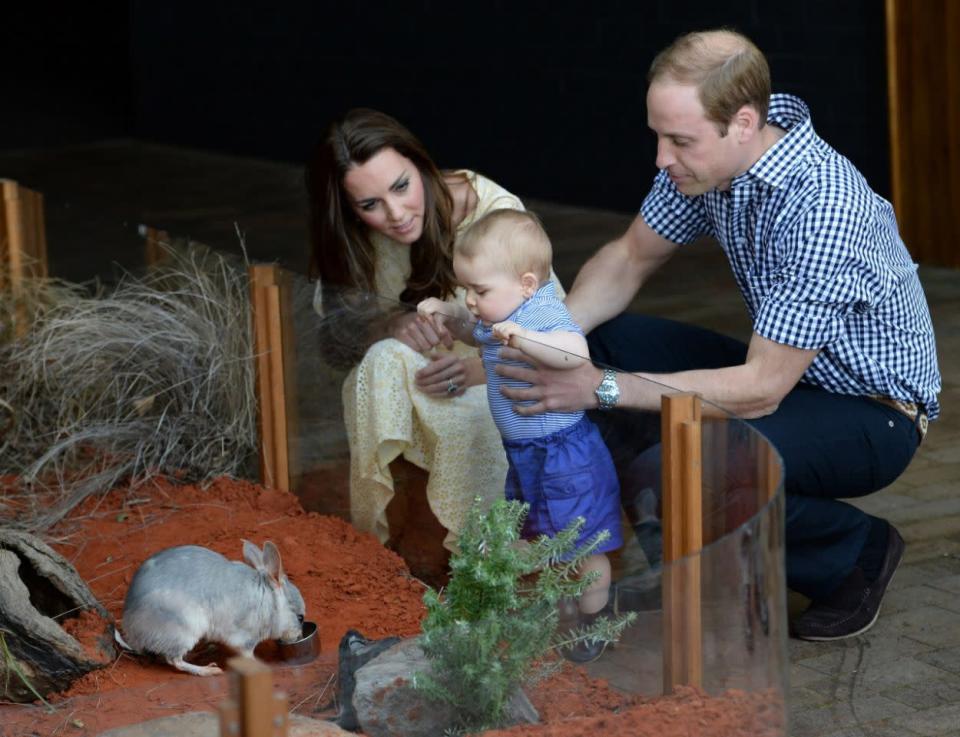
(753, 389)
(609, 280)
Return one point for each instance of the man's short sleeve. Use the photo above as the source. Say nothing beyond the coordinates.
(824, 275)
(672, 215)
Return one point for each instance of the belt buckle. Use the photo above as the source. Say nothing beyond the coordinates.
(910, 409)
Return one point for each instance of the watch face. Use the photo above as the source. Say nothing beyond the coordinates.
(608, 392)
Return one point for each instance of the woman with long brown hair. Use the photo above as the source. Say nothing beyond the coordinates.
(383, 222)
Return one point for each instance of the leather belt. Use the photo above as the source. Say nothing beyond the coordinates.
(916, 413)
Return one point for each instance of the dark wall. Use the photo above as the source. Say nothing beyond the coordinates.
(547, 98)
(66, 73)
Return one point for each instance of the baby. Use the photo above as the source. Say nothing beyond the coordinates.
(558, 463)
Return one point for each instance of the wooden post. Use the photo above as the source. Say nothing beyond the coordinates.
(23, 243)
(253, 709)
(155, 240)
(682, 540)
(768, 471)
(4, 245)
(716, 453)
(276, 396)
(923, 61)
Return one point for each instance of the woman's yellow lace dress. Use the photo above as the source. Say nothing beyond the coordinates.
(387, 416)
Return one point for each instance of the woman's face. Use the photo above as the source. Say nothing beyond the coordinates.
(386, 193)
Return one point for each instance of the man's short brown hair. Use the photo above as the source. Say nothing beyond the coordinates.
(728, 70)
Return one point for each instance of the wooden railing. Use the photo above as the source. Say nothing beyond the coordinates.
(23, 243)
(688, 521)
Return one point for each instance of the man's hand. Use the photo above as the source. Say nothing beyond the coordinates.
(419, 333)
(503, 331)
(552, 390)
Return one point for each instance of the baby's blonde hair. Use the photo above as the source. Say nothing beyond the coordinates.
(513, 239)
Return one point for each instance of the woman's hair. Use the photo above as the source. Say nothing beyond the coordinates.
(514, 239)
(728, 70)
(341, 250)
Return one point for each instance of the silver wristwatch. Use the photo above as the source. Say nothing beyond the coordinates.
(608, 393)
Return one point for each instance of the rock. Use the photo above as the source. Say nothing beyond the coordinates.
(387, 705)
(36, 585)
(520, 710)
(353, 653)
(384, 700)
(207, 724)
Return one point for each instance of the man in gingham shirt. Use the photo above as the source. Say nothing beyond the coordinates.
(840, 372)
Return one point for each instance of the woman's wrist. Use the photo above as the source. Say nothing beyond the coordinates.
(396, 321)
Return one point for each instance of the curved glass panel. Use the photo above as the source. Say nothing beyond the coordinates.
(730, 589)
(703, 620)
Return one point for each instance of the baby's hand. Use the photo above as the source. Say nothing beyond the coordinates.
(431, 310)
(430, 306)
(503, 331)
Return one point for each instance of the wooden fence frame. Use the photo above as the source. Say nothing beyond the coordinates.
(253, 709)
(276, 374)
(688, 524)
(155, 241)
(23, 243)
(682, 540)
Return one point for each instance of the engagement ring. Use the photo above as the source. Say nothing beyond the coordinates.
(452, 387)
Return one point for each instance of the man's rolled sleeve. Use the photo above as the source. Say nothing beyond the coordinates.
(817, 284)
(671, 215)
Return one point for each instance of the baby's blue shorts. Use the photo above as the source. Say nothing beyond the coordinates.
(563, 475)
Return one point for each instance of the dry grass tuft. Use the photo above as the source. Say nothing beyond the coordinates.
(155, 378)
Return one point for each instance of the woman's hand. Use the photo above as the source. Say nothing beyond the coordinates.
(551, 390)
(448, 376)
(420, 333)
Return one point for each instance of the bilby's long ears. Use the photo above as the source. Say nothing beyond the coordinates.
(271, 561)
(252, 555)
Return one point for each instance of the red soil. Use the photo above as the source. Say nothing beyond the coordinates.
(684, 713)
(348, 580)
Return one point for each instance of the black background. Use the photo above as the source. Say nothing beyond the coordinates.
(546, 98)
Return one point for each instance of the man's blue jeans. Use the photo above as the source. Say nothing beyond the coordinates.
(833, 447)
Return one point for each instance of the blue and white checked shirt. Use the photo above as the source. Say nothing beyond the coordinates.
(819, 262)
(545, 313)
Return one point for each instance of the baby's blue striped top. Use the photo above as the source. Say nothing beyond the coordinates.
(544, 313)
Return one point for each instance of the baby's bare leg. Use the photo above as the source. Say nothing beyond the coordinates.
(595, 596)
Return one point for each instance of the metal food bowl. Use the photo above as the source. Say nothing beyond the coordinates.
(303, 650)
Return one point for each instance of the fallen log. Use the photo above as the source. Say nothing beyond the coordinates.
(39, 590)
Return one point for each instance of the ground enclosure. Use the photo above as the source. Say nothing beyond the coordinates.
(719, 624)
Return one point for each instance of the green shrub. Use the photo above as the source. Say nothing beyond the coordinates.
(495, 626)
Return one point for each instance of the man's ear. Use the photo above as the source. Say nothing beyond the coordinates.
(529, 284)
(746, 123)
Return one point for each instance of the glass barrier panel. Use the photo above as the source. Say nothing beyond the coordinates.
(694, 543)
(733, 580)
